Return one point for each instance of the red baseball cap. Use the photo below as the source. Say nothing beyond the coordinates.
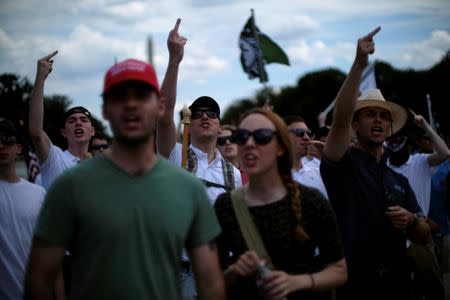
(130, 70)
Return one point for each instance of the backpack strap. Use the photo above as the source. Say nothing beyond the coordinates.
(228, 173)
(248, 228)
(192, 161)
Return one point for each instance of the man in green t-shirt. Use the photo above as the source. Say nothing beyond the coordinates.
(126, 215)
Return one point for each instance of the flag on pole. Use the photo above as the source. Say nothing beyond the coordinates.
(368, 80)
(257, 50)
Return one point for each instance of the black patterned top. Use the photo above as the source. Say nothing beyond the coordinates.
(276, 225)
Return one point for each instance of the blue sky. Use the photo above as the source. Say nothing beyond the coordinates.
(91, 34)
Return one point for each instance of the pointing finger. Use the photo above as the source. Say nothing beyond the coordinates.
(177, 24)
(412, 112)
(50, 55)
(373, 33)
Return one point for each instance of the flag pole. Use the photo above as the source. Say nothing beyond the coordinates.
(260, 60)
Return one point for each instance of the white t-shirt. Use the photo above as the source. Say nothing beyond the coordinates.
(20, 204)
(309, 175)
(209, 171)
(313, 161)
(419, 172)
(57, 162)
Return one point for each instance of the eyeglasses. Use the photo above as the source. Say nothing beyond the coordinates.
(198, 113)
(300, 132)
(8, 140)
(261, 136)
(99, 146)
(222, 140)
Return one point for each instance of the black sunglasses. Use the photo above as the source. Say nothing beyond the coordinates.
(222, 140)
(100, 146)
(261, 136)
(300, 132)
(198, 113)
(8, 140)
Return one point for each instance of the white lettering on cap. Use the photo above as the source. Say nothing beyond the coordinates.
(131, 65)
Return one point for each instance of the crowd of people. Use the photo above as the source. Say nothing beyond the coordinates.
(262, 209)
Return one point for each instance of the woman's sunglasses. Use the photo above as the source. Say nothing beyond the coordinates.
(198, 113)
(260, 136)
(99, 146)
(300, 132)
(222, 140)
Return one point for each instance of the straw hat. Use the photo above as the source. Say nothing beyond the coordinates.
(374, 98)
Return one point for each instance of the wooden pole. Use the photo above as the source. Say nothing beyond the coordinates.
(186, 122)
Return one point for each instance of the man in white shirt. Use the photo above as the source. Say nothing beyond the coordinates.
(20, 202)
(306, 169)
(77, 129)
(419, 168)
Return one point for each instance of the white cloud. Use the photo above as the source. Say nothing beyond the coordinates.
(422, 54)
(318, 53)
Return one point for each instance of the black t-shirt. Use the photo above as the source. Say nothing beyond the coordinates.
(276, 224)
(360, 190)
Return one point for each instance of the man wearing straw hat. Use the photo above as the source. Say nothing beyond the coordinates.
(375, 207)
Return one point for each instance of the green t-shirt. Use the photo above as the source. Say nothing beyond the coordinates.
(125, 232)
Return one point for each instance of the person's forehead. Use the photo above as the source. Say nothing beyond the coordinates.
(98, 141)
(225, 132)
(77, 115)
(301, 125)
(255, 121)
(375, 109)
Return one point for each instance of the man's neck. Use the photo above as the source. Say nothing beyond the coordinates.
(79, 150)
(265, 188)
(373, 150)
(209, 147)
(297, 165)
(8, 174)
(134, 159)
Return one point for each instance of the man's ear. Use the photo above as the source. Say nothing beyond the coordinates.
(63, 132)
(104, 113)
(19, 149)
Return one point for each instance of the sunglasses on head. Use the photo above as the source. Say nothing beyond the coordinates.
(300, 132)
(198, 113)
(8, 140)
(222, 140)
(100, 146)
(260, 136)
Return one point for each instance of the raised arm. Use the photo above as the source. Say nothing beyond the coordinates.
(441, 150)
(166, 130)
(40, 140)
(338, 138)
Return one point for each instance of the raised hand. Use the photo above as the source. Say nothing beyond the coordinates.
(366, 46)
(45, 66)
(175, 43)
(419, 120)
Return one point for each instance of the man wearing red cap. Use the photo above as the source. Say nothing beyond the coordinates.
(120, 213)
(77, 130)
